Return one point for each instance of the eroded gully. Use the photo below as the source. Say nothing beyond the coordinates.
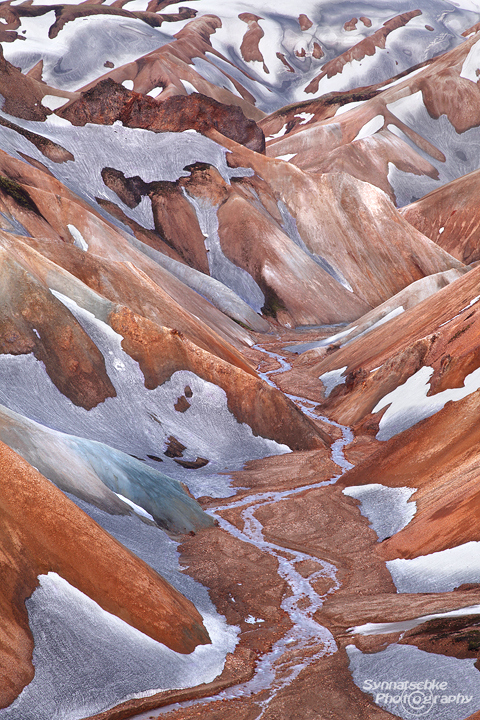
(307, 640)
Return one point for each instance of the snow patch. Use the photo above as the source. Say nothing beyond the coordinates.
(155, 92)
(409, 402)
(331, 379)
(253, 620)
(349, 106)
(188, 87)
(286, 157)
(306, 117)
(371, 127)
(78, 239)
(405, 625)
(404, 107)
(453, 692)
(402, 79)
(139, 510)
(386, 508)
(437, 572)
(52, 102)
(280, 133)
(472, 302)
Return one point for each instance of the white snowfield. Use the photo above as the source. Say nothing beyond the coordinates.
(112, 659)
(388, 509)
(139, 421)
(332, 378)
(409, 402)
(438, 572)
(411, 683)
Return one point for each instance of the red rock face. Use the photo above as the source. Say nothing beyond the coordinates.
(109, 102)
(44, 531)
(448, 216)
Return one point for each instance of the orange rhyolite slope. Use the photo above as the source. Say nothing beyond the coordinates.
(44, 531)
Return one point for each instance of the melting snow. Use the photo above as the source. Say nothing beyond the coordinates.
(52, 102)
(410, 683)
(402, 79)
(404, 108)
(472, 302)
(286, 157)
(404, 625)
(438, 572)
(348, 106)
(387, 509)
(371, 127)
(306, 117)
(253, 620)
(79, 240)
(155, 92)
(332, 378)
(139, 510)
(472, 62)
(409, 402)
(188, 86)
(280, 133)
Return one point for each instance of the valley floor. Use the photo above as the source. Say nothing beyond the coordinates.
(296, 566)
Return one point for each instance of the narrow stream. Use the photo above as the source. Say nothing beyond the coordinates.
(307, 639)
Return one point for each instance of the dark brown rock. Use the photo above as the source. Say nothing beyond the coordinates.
(109, 101)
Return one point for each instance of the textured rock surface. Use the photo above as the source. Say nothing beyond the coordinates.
(43, 530)
(211, 309)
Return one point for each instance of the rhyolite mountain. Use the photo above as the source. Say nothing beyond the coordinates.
(239, 359)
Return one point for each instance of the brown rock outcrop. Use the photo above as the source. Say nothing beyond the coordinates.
(33, 320)
(169, 66)
(250, 44)
(304, 22)
(108, 102)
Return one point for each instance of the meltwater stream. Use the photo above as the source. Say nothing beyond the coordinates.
(306, 641)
